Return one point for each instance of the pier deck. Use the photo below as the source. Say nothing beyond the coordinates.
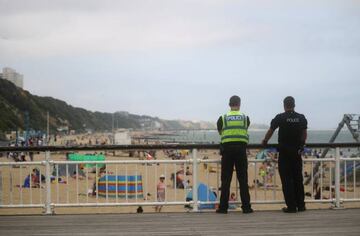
(312, 222)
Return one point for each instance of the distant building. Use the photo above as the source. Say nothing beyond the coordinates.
(156, 124)
(12, 76)
(122, 113)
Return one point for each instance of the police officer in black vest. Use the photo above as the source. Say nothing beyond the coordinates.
(292, 135)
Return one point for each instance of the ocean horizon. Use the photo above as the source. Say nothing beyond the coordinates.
(256, 136)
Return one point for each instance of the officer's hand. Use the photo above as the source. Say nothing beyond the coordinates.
(301, 151)
(264, 142)
(221, 149)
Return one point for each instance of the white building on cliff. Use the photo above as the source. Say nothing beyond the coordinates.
(12, 76)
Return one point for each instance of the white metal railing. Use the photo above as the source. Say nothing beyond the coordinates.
(330, 182)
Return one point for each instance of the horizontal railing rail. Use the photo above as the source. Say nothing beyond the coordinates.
(161, 146)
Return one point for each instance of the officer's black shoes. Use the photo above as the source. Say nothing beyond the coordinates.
(300, 209)
(247, 210)
(221, 211)
(289, 210)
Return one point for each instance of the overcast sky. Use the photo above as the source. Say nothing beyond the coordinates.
(184, 59)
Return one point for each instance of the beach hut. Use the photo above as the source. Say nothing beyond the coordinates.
(129, 186)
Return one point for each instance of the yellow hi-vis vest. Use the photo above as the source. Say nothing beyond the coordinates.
(234, 127)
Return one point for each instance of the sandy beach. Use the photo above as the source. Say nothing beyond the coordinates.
(75, 190)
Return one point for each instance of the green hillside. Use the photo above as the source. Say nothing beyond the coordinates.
(15, 103)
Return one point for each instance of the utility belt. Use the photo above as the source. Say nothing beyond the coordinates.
(291, 149)
(231, 146)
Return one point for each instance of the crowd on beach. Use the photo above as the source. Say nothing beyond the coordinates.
(178, 180)
(21, 156)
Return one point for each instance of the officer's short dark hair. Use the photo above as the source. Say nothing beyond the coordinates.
(289, 102)
(235, 101)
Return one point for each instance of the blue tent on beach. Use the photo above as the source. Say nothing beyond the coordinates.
(204, 195)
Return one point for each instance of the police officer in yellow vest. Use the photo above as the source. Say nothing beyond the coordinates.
(233, 128)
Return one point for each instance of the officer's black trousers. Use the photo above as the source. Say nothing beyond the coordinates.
(290, 170)
(234, 155)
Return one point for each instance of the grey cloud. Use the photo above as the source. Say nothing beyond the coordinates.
(183, 59)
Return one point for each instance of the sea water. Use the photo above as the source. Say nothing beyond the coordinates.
(256, 136)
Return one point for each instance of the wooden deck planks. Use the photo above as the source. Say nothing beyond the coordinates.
(312, 222)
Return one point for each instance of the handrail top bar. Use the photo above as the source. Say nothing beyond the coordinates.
(163, 146)
(123, 162)
(22, 163)
(162, 161)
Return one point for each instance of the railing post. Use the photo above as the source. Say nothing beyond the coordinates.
(0, 187)
(48, 210)
(337, 178)
(195, 181)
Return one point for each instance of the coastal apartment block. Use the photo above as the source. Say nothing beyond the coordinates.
(12, 76)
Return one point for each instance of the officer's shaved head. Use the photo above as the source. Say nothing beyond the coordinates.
(289, 102)
(234, 101)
